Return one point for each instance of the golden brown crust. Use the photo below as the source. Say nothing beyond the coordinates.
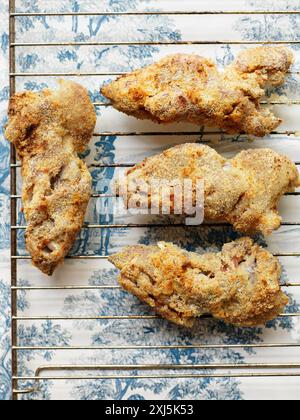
(244, 191)
(49, 129)
(239, 286)
(190, 88)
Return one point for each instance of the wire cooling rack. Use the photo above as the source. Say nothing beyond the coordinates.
(151, 371)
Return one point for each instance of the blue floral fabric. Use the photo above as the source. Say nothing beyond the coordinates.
(108, 149)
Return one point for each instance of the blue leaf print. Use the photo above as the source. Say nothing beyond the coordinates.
(28, 61)
(4, 42)
(5, 361)
(67, 55)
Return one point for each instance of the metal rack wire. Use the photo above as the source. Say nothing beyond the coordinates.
(219, 370)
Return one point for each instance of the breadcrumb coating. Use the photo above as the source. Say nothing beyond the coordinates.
(49, 129)
(244, 191)
(189, 88)
(240, 285)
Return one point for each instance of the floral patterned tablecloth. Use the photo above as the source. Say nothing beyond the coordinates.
(130, 149)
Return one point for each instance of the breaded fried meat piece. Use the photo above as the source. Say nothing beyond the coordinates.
(239, 285)
(190, 88)
(49, 129)
(244, 191)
